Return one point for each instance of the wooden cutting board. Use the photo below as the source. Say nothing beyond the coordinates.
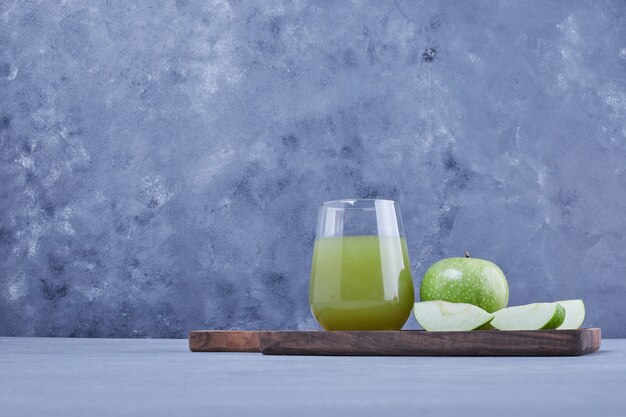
(400, 343)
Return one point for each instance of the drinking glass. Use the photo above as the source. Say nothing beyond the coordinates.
(361, 274)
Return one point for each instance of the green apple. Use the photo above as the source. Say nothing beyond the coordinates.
(466, 280)
(574, 314)
(536, 316)
(444, 316)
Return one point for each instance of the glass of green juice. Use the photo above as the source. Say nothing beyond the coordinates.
(361, 274)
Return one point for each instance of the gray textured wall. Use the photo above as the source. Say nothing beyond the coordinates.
(161, 163)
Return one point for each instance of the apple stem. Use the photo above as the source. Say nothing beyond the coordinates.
(466, 254)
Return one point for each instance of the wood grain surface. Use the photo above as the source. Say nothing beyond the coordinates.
(401, 343)
(224, 341)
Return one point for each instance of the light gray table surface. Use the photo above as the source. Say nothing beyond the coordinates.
(139, 377)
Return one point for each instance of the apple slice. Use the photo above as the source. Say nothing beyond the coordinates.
(536, 316)
(445, 316)
(574, 314)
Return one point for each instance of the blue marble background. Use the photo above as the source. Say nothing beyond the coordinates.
(162, 162)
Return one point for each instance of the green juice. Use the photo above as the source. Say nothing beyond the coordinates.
(361, 283)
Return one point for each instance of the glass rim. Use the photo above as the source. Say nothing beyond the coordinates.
(356, 200)
(367, 216)
(358, 204)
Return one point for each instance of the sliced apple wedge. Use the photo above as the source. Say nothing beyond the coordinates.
(444, 316)
(536, 316)
(574, 314)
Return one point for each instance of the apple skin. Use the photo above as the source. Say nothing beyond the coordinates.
(466, 280)
(557, 320)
